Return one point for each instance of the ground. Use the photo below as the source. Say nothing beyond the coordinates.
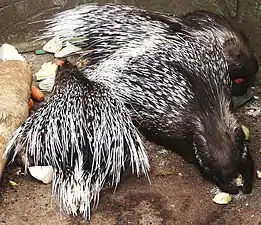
(177, 193)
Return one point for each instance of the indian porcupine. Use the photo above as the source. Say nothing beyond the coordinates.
(86, 135)
(108, 27)
(242, 62)
(181, 95)
(141, 56)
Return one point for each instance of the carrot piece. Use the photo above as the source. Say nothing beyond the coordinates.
(59, 62)
(30, 104)
(37, 94)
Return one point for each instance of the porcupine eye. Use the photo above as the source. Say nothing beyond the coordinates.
(230, 187)
(225, 178)
(237, 56)
(230, 46)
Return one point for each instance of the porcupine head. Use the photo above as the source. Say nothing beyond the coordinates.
(222, 151)
(241, 60)
(219, 142)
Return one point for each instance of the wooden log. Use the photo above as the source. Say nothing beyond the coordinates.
(15, 89)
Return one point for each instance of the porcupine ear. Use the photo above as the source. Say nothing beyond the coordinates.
(236, 65)
(242, 60)
(231, 48)
(65, 68)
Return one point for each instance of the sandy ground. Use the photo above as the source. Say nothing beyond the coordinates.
(177, 193)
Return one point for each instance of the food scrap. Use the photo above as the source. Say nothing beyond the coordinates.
(258, 174)
(222, 198)
(42, 173)
(9, 52)
(46, 76)
(239, 181)
(40, 52)
(47, 70)
(12, 183)
(246, 132)
(54, 45)
(37, 94)
(30, 104)
(59, 62)
(47, 84)
(69, 49)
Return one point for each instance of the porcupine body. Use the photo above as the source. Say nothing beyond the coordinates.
(106, 28)
(182, 102)
(148, 61)
(86, 135)
(242, 63)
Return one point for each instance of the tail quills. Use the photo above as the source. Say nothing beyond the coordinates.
(86, 135)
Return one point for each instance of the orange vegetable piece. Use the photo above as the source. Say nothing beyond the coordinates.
(59, 62)
(37, 94)
(30, 104)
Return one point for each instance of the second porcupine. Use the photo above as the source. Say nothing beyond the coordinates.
(106, 28)
(86, 135)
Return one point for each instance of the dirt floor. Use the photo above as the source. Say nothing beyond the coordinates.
(177, 194)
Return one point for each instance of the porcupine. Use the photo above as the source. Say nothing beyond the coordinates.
(182, 102)
(86, 135)
(102, 28)
(108, 27)
(242, 63)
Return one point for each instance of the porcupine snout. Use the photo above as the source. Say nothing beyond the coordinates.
(223, 159)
